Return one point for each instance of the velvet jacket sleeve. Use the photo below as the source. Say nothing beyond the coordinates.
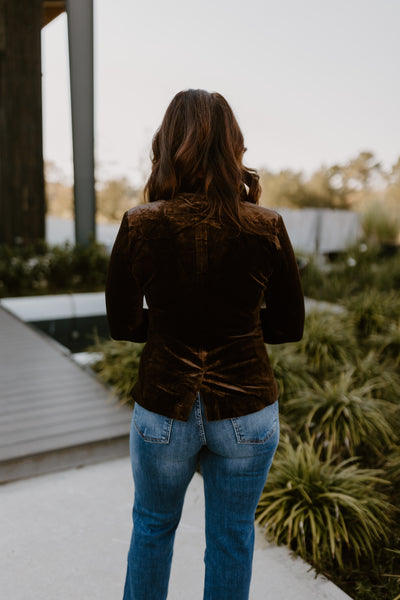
(282, 319)
(127, 319)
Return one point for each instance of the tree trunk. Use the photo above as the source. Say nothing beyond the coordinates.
(22, 203)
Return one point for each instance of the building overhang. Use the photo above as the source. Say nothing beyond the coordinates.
(51, 10)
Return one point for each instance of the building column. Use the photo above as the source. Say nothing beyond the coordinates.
(80, 37)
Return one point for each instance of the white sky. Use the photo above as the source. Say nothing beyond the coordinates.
(310, 81)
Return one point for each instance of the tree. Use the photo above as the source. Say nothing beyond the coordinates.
(289, 188)
(335, 186)
(359, 171)
(115, 197)
(285, 188)
(322, 191)
(355, 178)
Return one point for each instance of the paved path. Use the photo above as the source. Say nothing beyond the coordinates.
(65, 535)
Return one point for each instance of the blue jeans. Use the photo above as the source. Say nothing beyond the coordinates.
(235, 456)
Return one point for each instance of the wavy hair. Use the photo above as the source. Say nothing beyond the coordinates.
(198, 149)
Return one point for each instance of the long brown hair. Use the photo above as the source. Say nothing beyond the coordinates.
(199, 149)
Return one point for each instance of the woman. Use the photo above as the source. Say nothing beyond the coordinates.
(220, 279)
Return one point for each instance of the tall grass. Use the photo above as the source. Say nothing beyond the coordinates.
(344, 415)
(348, 416)
(327, 342)
(331, 513)
(357, 271)
(118, 365)
(380, 225)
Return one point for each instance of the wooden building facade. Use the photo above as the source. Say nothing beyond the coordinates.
(22, 198)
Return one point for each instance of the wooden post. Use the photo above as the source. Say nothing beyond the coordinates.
(80, 35)
(22, 201)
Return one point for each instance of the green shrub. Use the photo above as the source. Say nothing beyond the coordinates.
(373, 311)
(89, 265)
(290, 369)
(328, 284)
(386, 275)
(392, 467)
(327, 342)
(389, 344)
(331, 514)
(344, 415)
(60, 271)
(46, 269)
(118, 366)
(379, 225)
(372, 368)
(355, 271)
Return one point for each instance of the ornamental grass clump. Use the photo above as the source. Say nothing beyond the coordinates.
(340, 413)
(373, 311)
(387, 273)
(388, 344)
(392, 467)
(383, 373)
(118, 365)
(290, 370)
(330, 286)
(327, 342)
(329, 513)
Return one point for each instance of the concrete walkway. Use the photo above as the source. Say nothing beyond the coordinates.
(65, 535)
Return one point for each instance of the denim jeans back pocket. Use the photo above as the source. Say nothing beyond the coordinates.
(257, 427)
(151, 426)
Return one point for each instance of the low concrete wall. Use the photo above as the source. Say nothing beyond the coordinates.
(321, 230)
(310, 229)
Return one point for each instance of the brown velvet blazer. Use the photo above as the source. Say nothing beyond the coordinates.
(214, 297)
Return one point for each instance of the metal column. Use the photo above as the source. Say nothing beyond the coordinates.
(80, 36)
